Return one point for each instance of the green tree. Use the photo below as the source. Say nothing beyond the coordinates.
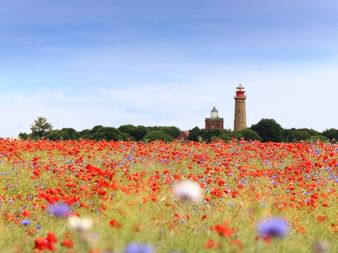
(248, 134)
(68, 134)
(292, 135)
(85, 134)
(110, 133)
(268, 130)
(133, 132)
(331, 134)
(96, 129)
(209, 135)
(158, 135)
(227, 135)
(54, 135)
(173, 131)
(40, 128)
(303, 134)
(23, 136)
(195, 134)
(125, 137)
(128, 130)
(105, 133)
(140, 133)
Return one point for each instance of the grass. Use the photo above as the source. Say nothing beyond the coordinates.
(131, 182)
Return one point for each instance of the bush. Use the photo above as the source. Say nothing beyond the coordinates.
(158, 135)
(248, 134)
(23, 136)
(195, 134)
(269, 130)
(331, 134)
(304, 134)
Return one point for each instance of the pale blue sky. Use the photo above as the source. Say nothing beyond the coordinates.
(84, 63)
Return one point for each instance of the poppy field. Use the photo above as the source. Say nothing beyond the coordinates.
(135, 197)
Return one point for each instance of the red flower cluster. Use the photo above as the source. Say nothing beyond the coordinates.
(115, 224)
(46, 243)
(224, 230)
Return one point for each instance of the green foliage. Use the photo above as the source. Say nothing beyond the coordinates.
(173, 131)
(69, 134)
(85, 134)
(158, 135)
(111, 133)
(304, 134)
(96, 129)
(40, 128)
(195, 134)
(105, 133)
(264, 130)
(248, 134)
(331, 134)
(211, 134)
(227, 135)
(268, 130)
(54, 135)
(139, 133)
(63, 134)
(132, 132)
(128, 130)
(23, 136)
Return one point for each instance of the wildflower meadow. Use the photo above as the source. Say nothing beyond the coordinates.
(179, 197)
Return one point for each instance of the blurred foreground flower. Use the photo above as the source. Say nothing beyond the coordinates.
(320, 247)
(46, 243)
(188, 191)
(61, 210)
(273, 227)
(79, 224)
(25, 222)
(139, 248)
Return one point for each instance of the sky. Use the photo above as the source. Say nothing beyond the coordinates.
(82, 63)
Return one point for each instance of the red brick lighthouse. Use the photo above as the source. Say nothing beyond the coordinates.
(214, 122)
(240, 109)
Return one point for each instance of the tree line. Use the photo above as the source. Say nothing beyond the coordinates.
(265, 130)
(42, 129)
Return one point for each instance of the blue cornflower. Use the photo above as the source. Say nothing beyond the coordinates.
(139, 248)
(273, 227)
(25, 222)
(59, 210)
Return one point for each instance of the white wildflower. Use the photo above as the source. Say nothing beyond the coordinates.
(80, 224)
(320, 246)
(188, 191)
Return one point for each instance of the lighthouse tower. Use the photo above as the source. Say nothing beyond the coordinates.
(214, 122)
(240, 111)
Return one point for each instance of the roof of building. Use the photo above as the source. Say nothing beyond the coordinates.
(184, 135)
(240, 86)
(214, 109)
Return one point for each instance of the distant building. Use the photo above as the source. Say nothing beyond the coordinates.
(214, 122)
(240, 109)
(184, 136)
